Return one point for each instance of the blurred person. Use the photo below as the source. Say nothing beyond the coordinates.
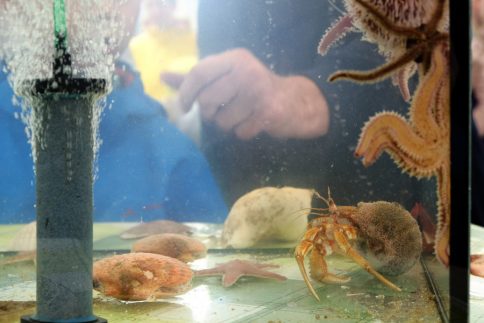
(477, 265)
(478, 64)
(477, 214)
(147, 169)
(270, 118)
(165, 43)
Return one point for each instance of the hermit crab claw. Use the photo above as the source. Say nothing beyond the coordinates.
(301, 251)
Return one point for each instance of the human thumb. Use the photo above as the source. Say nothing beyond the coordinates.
(174, 80)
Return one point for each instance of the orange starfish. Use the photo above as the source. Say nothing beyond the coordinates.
(420, 145)
(231, 271)
(408, 33)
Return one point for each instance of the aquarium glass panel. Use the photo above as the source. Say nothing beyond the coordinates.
(226, 161)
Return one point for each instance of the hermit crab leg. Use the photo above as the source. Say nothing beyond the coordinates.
(346, 247)
(301, 251)
(319, 270)
(307, 246)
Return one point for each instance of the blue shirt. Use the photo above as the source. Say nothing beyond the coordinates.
(146, 168)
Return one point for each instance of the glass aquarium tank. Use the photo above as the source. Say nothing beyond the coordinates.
(234, 161)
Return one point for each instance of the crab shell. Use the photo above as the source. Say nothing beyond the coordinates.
(172, 245)
(389, 237)
(265, 214)
(141, 276)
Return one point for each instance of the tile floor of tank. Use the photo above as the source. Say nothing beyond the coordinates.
(251, 299)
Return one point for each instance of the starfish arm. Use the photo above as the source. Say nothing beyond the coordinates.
(230, 278)
(261, 266)
(378, 127)
(416, 168)
(388, 131)
(401, 77)
(265, 274)
(412, 164)
(231, 271)
(422, 114)
(209, 272)
(334, 33)
(249, 269)
(442, 107)
(437, 15)
(442, 236)
(378, 73)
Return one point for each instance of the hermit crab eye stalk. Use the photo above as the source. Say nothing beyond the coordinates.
(327, 201)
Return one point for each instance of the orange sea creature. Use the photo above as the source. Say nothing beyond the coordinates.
(382, 232)
(141, 276)
(420, 145)
(410, 33)
(172, 245)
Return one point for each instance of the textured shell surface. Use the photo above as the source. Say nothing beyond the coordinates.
(390, 237)
(267, 213)
(172, 245)
(141, 276)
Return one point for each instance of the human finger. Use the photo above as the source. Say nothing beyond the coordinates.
(174, 80)
(202, 75)
(249, 128)
(215, 96)
(237, 111)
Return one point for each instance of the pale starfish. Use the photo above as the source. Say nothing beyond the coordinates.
(231, 271)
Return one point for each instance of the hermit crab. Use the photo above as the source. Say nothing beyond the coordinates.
(381, 237)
